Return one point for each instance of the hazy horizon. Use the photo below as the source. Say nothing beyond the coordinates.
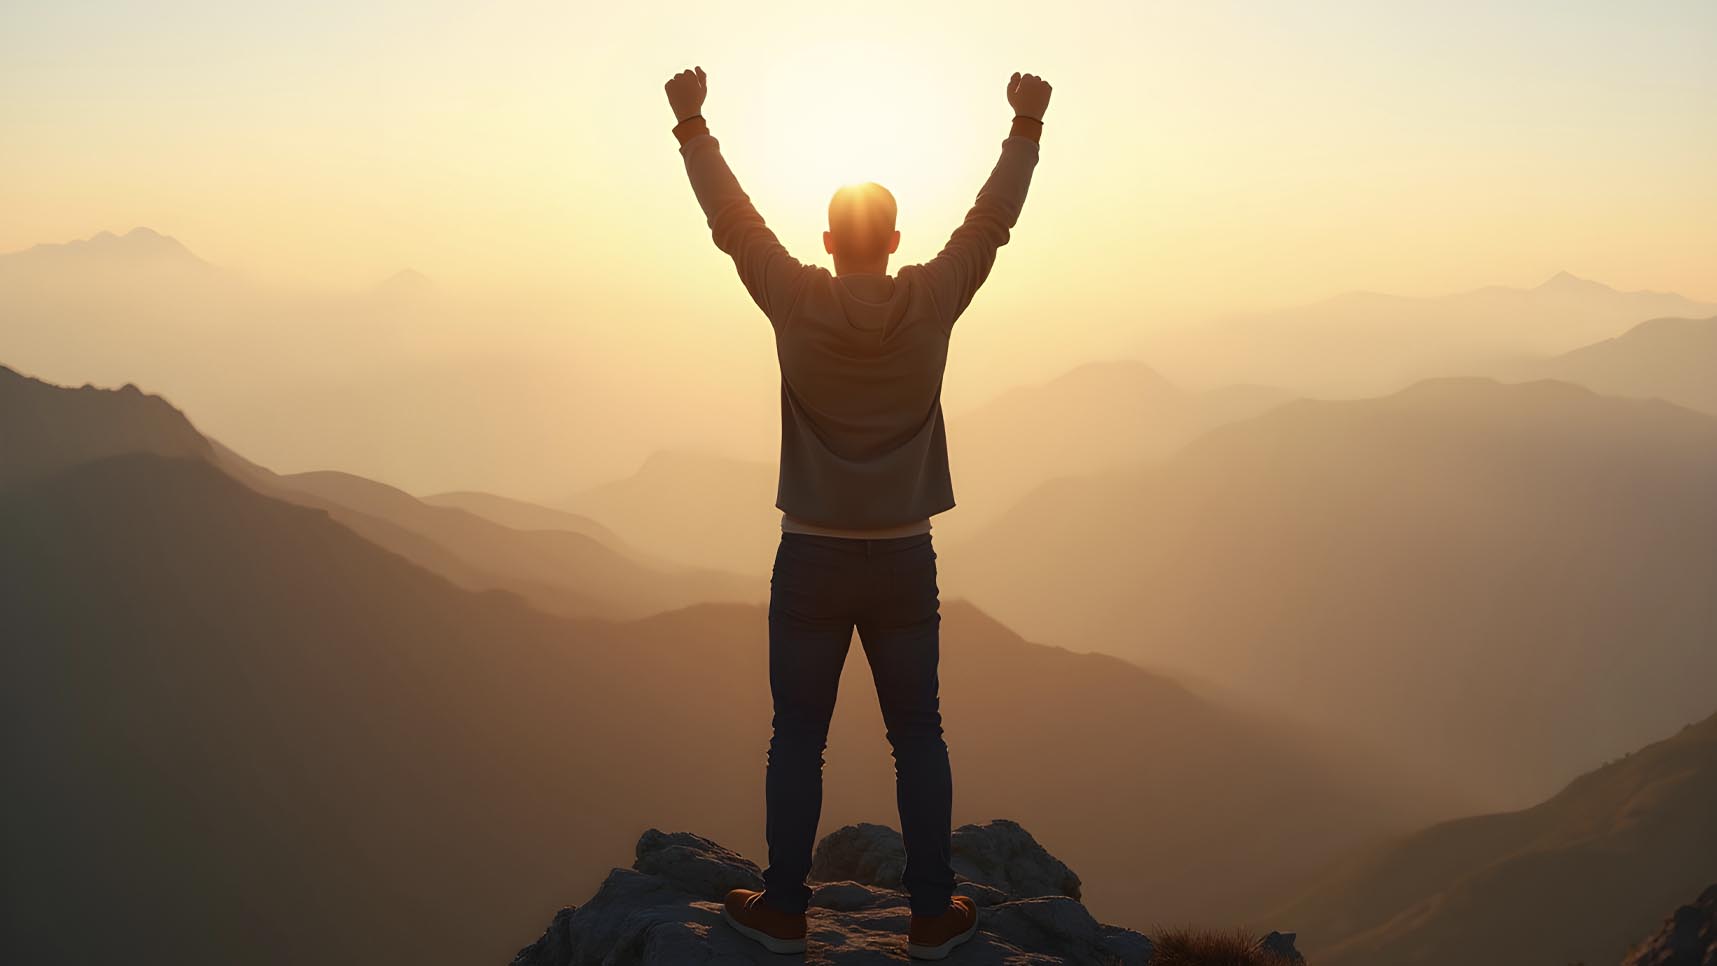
(390, 374)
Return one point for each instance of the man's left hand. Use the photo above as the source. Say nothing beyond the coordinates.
(686, 92)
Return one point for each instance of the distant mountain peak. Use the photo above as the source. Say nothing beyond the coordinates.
(1569, 282)
(139, 244)
(406, 281)
(141, 240)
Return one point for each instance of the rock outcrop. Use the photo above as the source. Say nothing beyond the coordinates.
(1688, 938)
(666, 909)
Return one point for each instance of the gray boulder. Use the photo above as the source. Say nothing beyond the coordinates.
(696, 865)
(871, 854)
(1000, 853)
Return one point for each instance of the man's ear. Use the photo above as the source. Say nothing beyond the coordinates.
(893, 243)
(829, 242)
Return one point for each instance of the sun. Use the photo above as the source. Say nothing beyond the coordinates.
(848, 111)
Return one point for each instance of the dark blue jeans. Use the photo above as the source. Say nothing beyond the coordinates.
(822, 588)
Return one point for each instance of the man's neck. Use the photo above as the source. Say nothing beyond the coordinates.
(860, 268)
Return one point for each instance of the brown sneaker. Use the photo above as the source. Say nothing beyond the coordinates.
(934, 937)
(777, 931)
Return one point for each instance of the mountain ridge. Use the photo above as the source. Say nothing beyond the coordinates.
(1582, 874)
(1669, 357)
(562, 571)
(140, 243)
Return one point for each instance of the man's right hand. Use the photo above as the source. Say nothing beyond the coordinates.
(1028, 94)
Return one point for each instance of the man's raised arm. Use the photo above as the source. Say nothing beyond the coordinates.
(772, 276)
(963, 264)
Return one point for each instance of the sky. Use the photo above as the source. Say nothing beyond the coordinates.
(1198, 159)
(1409, 146)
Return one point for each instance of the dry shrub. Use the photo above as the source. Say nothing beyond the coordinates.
(1205, 947)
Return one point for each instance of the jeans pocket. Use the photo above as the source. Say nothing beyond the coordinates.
(791, 557)
(914, 585)
(806, 584)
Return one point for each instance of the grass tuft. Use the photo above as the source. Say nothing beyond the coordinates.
(1206, 947)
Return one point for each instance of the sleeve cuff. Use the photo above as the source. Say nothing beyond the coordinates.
(690, 128)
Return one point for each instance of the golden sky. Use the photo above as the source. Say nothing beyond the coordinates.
(1198, 159)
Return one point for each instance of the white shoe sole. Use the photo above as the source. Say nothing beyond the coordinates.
(941, 952)
(762, 938)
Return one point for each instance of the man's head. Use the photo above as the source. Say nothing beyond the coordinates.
(861, 232)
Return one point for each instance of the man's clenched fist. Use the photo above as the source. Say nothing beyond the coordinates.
(686, 92)
(1028, 94)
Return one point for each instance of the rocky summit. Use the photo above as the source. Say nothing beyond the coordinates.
(666, 909)
(1688, 938)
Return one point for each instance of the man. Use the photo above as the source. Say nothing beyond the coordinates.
(864, 465)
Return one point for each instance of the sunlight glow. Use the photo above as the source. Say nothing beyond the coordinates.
(855, 110)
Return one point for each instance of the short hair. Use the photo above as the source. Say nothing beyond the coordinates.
(861, 217)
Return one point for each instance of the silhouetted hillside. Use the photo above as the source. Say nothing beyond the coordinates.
(1431, 570)
(1672, 359)
(45, 429)
(244, 734)
(1580, 877)
(560, 571)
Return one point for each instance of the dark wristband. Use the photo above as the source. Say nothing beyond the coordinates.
(1029, 128)
(1028, 117)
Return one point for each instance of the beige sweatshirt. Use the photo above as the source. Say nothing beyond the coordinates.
(863, 447)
